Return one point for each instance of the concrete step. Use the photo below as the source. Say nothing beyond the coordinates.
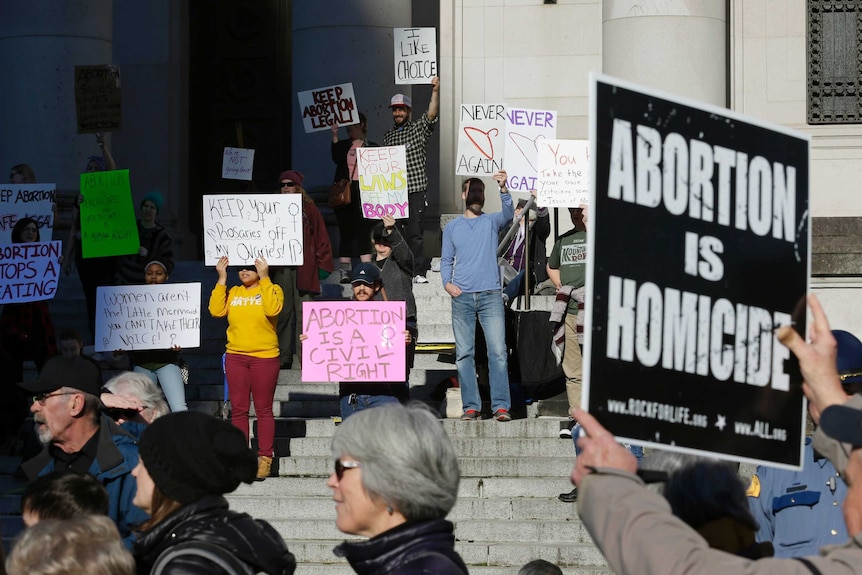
(470, 466)
(465, 447)
(542, 427)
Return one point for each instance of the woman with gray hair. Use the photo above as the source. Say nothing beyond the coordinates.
(395, 480)
(133, 398)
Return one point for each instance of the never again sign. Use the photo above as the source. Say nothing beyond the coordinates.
(698, 250)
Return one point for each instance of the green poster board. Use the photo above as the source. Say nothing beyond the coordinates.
(108, 224)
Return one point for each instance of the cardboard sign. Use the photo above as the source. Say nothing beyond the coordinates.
(237, 164)
(564, 173)
(28, 272)
(354, 341)
(157, 316)
(383, 181)
(415, 55)
(247, 226)
(97, 98)
(481, 139)
(525, 129)
(18, 201)
(108, 224)
(698, 249)
(322, 107)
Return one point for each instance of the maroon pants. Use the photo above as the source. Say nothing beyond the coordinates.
(253, 377)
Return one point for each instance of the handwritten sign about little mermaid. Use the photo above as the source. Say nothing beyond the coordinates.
(383, 181)
(108, 225)
(415, 55)
(18, 201)
(322, 107)
(148, 317)
(237, 164)
(353, 341)
(247, 226)
(481, 139)
(28, 272)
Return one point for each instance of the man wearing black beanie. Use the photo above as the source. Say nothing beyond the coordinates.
(189, 460)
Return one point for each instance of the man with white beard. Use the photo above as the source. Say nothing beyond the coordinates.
(77, 437)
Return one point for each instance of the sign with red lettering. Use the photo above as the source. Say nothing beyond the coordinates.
(35, 201)
(481, 139)
(564, 173)
(698, 250)
(322, 107)
(29, 272)
(415, 55)
(525, 130)
(361, 341)
(383, 181)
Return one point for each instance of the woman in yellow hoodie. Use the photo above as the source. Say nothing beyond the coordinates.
(251, 362)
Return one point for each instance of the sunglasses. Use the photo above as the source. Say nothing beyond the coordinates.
(247, 269)
(117, 414)
(288, 184)
(342, 466)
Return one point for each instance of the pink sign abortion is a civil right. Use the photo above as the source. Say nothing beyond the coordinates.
(353, 341)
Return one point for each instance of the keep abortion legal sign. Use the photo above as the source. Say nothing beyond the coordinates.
(698, 249)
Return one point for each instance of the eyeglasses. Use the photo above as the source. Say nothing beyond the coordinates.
(342, 466)
(288, 184)
(43, 397)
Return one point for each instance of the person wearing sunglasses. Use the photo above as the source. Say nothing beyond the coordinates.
(251, 360)
(80, 439)
(301, 283)
(396, 478)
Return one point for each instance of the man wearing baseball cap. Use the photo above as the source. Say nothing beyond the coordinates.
(414, 136)
(77, 437)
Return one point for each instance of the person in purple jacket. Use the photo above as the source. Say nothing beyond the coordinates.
(470, 275)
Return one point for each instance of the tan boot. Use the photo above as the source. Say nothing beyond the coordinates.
(264, 466)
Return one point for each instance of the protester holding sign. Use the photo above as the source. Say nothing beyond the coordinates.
(155, 244)
(26, 333)
(162, 365)
(415, 136)
(353, 228)
(302, 283)
(92, 272)
(251, 362)
(516, 255)
(468, 267)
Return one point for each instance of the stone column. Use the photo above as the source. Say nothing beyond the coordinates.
(679, 46)
(40, 44)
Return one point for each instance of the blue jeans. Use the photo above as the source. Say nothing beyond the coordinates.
(170, 379)
(635, 450)
(354, 402)
(487, 306)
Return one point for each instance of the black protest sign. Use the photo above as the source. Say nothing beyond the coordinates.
(97, 98)
(699, 249)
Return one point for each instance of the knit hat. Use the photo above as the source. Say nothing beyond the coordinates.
(158, 262)
(190, 454)
(156, 198)
(294, 176)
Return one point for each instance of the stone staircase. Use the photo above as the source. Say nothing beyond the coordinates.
(507, 513)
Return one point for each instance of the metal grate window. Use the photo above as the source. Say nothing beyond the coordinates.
(834, 61)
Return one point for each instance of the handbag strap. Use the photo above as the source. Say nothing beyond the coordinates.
(355, 163)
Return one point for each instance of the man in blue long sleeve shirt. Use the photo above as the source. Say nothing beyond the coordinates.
(470, 275)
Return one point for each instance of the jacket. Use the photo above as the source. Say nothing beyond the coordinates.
(116, 456)
(539, 232)
(638, 534)
(157, 242)
(397, 273)
(208, 519)
(316, 250)
(427, 547)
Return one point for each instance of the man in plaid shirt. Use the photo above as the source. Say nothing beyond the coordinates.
(414, 135)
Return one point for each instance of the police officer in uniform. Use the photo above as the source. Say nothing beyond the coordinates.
(800, 511)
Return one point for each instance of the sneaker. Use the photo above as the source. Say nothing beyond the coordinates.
(566, 432)
(420, 279)
(502, 415)
(569, 497)
(345, 276)
(470, 415)
(264, 466)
